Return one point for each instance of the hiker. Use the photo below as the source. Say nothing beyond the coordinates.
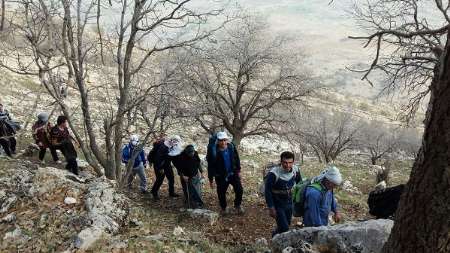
(383, 203)
(163, 167)
(278, 191)
(8, 130)
(41, 134)
(319, 198)
(139, 165)
(224, 167)
(191, 175)
(61, 139)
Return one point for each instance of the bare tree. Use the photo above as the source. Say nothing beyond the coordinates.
(238, 80)
(55, 35)
(328, 134)
(409, 141)
(417, 35)
(379, 139)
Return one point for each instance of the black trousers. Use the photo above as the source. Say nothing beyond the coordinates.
(167, 172)
(9, 145)
(222, 187)
(43, 150)
(69, 152)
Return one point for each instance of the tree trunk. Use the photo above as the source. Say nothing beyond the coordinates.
(2, 21)
(237, 138)
(374, 160)
(422, 219)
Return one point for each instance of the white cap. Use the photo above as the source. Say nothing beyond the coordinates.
(333, 175)
(222, 136)
(134, 139)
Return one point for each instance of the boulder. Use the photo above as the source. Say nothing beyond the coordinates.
(355, 237)
(87, 237)
(47, 181)
(204, 215)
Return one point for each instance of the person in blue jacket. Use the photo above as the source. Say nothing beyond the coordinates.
(139, 163)
(319, 198)
(278, 191)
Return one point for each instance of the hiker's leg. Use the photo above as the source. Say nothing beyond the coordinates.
(184, 186)
(72, 165)
(12, 144)
(131, 178)
(5, 146)
(238, 190)
(140, 170)
(42, 151)
(170, 177)
(158, 182)
(222, 187)
(53, 153)
(195, 197)
(282, 222)
(288, 212)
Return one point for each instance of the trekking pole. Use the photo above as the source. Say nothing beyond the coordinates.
(188, 195)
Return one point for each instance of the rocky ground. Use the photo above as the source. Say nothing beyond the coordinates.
(44, 208)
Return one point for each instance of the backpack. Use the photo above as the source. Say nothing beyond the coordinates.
(298, 196)
(151, 157)
(384, 203)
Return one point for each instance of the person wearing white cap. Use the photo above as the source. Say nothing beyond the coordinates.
(224, 167)
(41, 131)
(319, 198)
(139, 163)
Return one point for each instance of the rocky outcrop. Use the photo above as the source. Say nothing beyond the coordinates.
(107, 209)
(203, 215)
(354, 237)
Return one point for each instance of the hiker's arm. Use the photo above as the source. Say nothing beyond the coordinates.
(270, 181)
(334, 209)
(312, 208)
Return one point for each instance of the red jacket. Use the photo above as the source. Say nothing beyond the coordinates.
(41, 133)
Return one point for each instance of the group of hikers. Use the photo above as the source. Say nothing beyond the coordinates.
(286, 192)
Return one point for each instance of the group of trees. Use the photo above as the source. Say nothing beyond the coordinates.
(328, 133)
(239, 79)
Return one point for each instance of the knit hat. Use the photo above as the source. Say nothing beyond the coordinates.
(333, 175)
(43, 116)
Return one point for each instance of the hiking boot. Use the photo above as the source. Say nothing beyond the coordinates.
(155, 196)
(239, 210)
(225, 212)
(144, 191)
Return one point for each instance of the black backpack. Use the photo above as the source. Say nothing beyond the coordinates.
(384, 203)
(151, 157)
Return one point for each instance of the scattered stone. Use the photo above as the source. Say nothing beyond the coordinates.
(204, 214)
(177, 231)
(16, 237)
(348, 187)
(354, 237)
(178, 250)
(8, 218)
(288, 250)
(87, 237)
(6, 204)
(70, 201)
(136, 223)
(261, 242)
(157, 237)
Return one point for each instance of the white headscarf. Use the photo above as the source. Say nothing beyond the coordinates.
(174, 144)
(331, 173)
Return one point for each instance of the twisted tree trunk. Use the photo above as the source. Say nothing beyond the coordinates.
(423, 218)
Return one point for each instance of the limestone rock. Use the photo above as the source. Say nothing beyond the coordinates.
(8, 218)
(348, 187)
(87, 237)
(177, 231)
(204, 214)
(15, 237)
(70, 201)
(355, 237)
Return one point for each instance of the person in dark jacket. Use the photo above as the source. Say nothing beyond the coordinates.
(139, 163)
(41, 132)
(163, 167)
(7, 132)
(190, 171)
(224, 167)
(278, 191)
(62, 140)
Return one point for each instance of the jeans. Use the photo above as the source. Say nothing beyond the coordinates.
(283, 208)
(140, 171)
(222, 187)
